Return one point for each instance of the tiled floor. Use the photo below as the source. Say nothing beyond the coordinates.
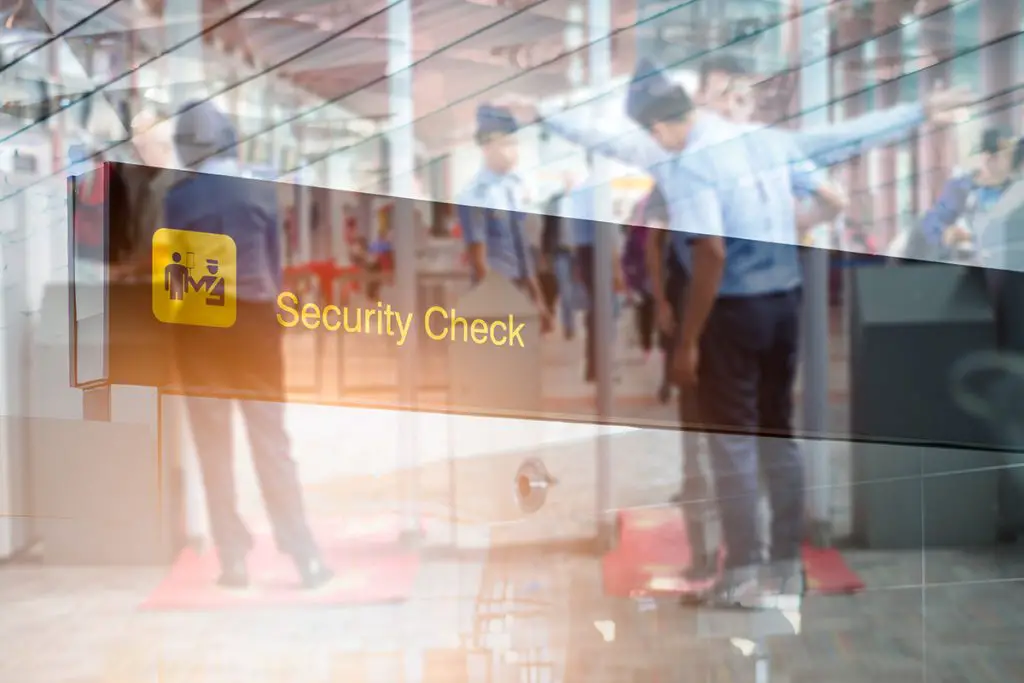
(83, 625)
(940, 616)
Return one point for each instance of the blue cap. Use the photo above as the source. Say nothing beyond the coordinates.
(648, 85)
(495, 120)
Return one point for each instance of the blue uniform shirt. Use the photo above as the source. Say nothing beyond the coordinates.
(960, 198)
(490, 212)
(823, 146)
(741, 183)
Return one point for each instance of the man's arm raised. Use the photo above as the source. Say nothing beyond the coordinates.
(630, 146)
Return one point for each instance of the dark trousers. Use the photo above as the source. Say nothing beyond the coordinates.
(748, 361)
(247, 356)
(646, 320)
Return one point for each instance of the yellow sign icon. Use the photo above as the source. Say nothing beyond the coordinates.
(194, 278)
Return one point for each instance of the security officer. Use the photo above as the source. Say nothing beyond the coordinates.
(999, 234)
(732, 197)
(968, 195)
(249, 359)
(491, 209)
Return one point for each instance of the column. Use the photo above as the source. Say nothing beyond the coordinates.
(935, 156)
(889, 53)
(401, 160)
(814, 99)
(1000, 22)
(183, 19)
(853, 31)
(599, 63)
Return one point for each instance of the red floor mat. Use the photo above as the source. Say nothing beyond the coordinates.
(368, 571)
(653, 544)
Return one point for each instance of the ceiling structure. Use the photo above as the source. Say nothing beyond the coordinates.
(463, 50)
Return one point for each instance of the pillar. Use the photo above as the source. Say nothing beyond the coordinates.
(849, 88)
(814, 99)
(889, 50)
(935, 152)
(1000, 25)
(599, 69)
(401, 160)
(183, 20)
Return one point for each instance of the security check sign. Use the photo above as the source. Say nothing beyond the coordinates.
(194, 278)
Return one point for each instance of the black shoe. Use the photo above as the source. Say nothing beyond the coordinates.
(233, 575)
(665, 392)
(314, 573)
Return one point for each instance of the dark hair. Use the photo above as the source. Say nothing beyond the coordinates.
(672, 105)
(993, 140)
(723, 63)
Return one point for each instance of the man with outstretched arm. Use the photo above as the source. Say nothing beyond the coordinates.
(731, 193)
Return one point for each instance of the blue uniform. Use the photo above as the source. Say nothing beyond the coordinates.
(490, 212)
(491, 207)
(824, 146)
(961, 198)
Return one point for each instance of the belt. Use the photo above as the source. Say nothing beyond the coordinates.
(767, 296)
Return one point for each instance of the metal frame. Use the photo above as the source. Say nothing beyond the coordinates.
(103, 173)
(599, 63)
(814, 98)
(19, 531)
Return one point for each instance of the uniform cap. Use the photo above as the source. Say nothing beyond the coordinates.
(491, 120)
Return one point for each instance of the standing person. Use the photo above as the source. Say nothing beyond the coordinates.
(215, 200)
(491, 209)
(731, 192)
(726, 87)
(998, 232)
(950, 224)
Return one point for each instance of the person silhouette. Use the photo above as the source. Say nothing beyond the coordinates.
(210, 283)
(216, 284)
(250, 362)
(175, 276)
